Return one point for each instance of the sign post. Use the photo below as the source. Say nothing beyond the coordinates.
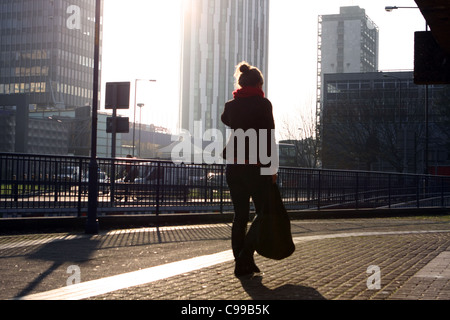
(117, 97)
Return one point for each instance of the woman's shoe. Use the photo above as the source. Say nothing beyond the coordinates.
(242, 269)
(245, 266)
(255, 268)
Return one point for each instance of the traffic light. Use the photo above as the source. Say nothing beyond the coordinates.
(431, 63)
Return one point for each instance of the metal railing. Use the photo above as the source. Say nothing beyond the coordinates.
(40, 185)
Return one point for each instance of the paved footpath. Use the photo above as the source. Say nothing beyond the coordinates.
(336, 259)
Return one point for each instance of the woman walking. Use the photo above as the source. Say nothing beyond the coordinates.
(251, 113)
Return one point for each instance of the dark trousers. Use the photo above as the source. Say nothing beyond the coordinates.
(245, 182)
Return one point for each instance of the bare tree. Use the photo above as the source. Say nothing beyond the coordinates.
(442, 116)
(300, 130)
(373, 128)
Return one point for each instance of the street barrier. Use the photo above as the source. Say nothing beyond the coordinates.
(45, 185)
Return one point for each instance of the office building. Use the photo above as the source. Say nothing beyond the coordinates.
(217, 35)
(347, 43)
(47, 52)
(377, 121)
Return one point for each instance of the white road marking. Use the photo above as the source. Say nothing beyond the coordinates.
(97, 287)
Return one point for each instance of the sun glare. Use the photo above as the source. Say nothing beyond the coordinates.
(142, 41)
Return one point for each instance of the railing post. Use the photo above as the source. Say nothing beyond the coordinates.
(15, 188)
(80, 187)
(389, 190)
(112, 181)
(221, 188)
(418, 191)
(56, 182)
(356, 190)
(158, 168)
(319, 190)
(308, 186)
(205, 184)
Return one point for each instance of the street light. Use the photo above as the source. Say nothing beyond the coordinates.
(140, 105)
(92, 221)
(405, 163)
(135, 105)
(389, 9)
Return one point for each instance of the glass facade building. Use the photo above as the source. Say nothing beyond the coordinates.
(376, 121)
(217, 35)
(47, 51)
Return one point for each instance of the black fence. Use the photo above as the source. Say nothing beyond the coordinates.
(38, 185)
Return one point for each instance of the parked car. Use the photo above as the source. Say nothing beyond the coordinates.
(145, 180)
(68, 174)
(103, 182)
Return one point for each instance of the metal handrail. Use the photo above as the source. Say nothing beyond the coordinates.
(58, 185)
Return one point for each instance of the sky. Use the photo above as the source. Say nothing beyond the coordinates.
(142, 41)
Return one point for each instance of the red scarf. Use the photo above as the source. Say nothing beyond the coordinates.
(246, 92)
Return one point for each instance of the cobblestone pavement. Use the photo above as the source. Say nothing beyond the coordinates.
(340, 259)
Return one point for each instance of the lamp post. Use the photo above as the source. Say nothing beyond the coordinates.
(135, 105)
(405, 163)
(92, 221)
(140, 105)
(390, 9)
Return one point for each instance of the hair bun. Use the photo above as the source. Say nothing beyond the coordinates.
(244, 68)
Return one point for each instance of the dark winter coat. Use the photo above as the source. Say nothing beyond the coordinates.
(253, 112)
